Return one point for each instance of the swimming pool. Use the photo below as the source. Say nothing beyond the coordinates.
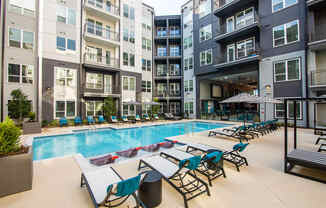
(92, 143)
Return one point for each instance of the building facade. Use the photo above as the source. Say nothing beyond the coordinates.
(168, 76)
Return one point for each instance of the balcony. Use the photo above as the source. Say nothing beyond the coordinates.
(101, 36)
(165, 75)
(101, 61)
(317, 40)
(249, 56)
(164, 94)
(165, 55)
(318, 79)
(227, 32)
(315, 3)
(227, 7)
(107, 11)
(108, 92)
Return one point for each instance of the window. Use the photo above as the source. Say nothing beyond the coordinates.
(286, 34)
(125, 10)
(20, 73)
(189, 85)
(94, 81)
(125, 83)
(279, 110)
(144, 43)
(161, 70)
(65, 77)
(206, 57)
(187, 42)
(287, 70)
(205, 33)
(94, 108)
(189, 107)
(245, 18)
(64, 44)
(21, 39)
(146, 86)
(132, 59)
(143, 64)
(23, 7)
(149, 65)
(245, 48)
(174, 51)
(125, 34)
(149, 45)
(128, 110)
(66, 15)
(281, 4)
(175, 70)
(125, 59)
(204, 8)
(185, 64)
(161, 51)
(129, 83)
(132, 13)
(186, 86)
(132, 84)
(65, 109)
(149, 86)
(188, 63)
(132, 37)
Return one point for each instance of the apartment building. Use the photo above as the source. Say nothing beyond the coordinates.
(168, 76)
(189, 89)
(19, 50)
(316, 54)
(147, 57)
(1, 52)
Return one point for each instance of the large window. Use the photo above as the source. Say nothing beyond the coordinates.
(189, 107)
(65, 109)
(286, 34)
(94, 108)
(161, 70)
(206, 57)
(245, 18)
(20, 73)
(65, 77)
(146, 86)
(205, 8)
(128, 59)
(146, 65)
(21, 39)
(129, 83)
(188, 63)
(128, 11)
(24, 7)
(66, 15)
(175, 70)
(281, 4)
(279, 110)
(287, 70)
(187, 42)
(188, 85)
(205, 33)
(128, 110)
(94, 81)
(161, 51)
(246, 48)
(174, 51)
(64, 44)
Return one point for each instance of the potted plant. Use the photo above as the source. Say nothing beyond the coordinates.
(16, 160)
(19, 108)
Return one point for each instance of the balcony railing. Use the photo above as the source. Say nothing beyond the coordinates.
(106, 8)
(166, 94)
(319, 33)
(175, 93)
(101, 60)
(247, 54)
(166, 32)
(318, 78)
(221, 3)
(238, 25)
(102, 32)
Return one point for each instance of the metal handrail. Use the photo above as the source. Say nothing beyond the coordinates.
(101, 60)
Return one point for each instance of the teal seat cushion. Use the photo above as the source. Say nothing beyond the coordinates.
(240, 147)
(193, 162)
(126, 187)
(217, 155)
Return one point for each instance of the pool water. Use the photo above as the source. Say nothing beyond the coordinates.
(92, 143)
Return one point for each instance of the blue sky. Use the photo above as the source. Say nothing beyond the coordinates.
(166, 7)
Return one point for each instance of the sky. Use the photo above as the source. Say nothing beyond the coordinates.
(166, 7)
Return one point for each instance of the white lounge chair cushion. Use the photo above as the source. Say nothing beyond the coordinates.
(180, 155)
(203, 147)
(161, 165)
(99, 180)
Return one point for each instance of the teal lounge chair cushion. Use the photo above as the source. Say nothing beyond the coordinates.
(113, 117)
(126, 187)
(217, 155)
(240, 146)
(193, 162)
(78, 120)
(63, 121)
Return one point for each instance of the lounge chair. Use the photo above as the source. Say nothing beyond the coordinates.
(237, 133)
(146, 117)
(322, 148)
(211, 163)
(181, 177)
(168, 116)
(78, 121)
(114, 119)
(63, 122)
(232, 156)
(90, 120)
(155, 116)
(129, 153)
(125, 119)
(107, 188)
(101, 119)
(321, 138)
(137, 118)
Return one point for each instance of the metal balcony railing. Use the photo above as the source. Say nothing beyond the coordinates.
(246, 54)
(165, 93)
(101, 32)
(101, 60)
(107, 8)
(319, 33)
(318, 78)
(165, 32)
(221, 3)
(226, 28)
(175, 93)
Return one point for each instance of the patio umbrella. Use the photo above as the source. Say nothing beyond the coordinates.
(265, 100)
(151, 103)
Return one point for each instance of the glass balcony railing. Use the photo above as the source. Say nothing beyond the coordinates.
(106, 8)
(101, 60)
(318, 78)
(102, 33)
(241, 55)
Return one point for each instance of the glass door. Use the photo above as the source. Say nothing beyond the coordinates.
(230, 24)
(108, 32)
(91, 54)
(108, 57)
(108, 84)
(230, 53)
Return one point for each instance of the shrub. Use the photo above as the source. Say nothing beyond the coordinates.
(109, 108)
(31, 116)
(9, 137)
(54, 123)
(45, 123)
(19, 107)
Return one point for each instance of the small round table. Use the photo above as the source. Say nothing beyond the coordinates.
(150, 191)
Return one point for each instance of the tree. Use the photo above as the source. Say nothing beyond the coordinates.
(19, 107)
(109, 108)
(155, 108)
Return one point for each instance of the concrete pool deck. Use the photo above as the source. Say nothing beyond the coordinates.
(261, 184)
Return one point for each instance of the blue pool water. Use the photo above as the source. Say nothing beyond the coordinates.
(93, 143)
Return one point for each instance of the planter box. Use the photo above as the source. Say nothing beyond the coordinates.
(32, 128)
(16, 173)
